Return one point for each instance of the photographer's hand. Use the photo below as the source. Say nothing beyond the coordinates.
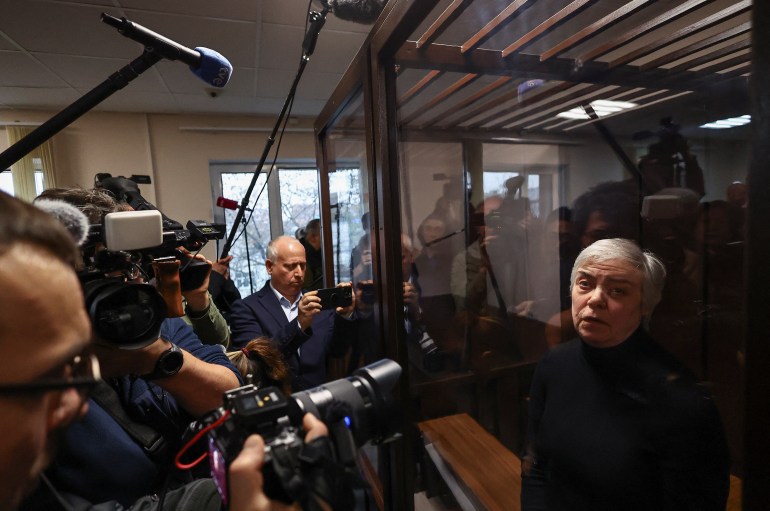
(412, 300)
(347, 312)
(222, 266)
(246, 481)
(197, 387)
(309, 306)
(198, 299)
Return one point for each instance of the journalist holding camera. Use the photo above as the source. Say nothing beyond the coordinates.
(73, 440)
(158, 376)
(48, 368)
(199, 278)
(307, 327)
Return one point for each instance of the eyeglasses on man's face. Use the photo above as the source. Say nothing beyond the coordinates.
(81, 373)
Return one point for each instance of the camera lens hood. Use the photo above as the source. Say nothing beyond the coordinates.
(124, 314)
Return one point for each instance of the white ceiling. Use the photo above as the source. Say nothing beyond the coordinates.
(54, 51)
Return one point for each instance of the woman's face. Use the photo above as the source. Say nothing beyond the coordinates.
(607, 302)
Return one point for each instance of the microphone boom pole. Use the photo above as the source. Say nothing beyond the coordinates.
(58, 122)
(206, 64)
(317, 20)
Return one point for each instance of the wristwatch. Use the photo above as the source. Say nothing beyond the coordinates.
(169, 363)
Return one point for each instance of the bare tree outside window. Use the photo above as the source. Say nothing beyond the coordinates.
(295, 198)
(247, 268)
(299, 198)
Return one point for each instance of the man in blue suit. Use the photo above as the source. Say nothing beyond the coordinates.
(305, 334)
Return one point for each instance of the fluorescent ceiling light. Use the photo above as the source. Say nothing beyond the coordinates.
(602, 107)
(605, 103)
(731, 122)
(575, 113)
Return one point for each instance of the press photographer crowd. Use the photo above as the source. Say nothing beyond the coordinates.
(123, 388)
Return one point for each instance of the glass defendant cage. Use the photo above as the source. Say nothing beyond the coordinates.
(493, 140)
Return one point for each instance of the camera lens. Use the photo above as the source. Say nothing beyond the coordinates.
(433, 359)
(368, 395)
(125, 314)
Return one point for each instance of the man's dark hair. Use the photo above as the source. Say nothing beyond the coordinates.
(619, 204)
(21, 222)
(313, 227)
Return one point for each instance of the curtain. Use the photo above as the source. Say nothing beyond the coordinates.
(23, 171)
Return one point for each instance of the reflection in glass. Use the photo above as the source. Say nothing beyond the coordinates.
(347, 210)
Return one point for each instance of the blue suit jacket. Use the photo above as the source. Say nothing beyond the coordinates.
(261, 314)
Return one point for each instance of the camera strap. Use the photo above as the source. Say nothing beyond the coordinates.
(152, 441)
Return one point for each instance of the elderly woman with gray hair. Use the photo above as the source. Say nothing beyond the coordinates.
(615, 422)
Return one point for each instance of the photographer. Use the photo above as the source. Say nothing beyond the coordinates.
(44, 337)
(201, 311)
(48, 373)
(123, 447)
(198, 306)
(222, 288)
(263, 363)
(294, 320)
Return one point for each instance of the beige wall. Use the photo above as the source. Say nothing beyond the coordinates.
(174, 150)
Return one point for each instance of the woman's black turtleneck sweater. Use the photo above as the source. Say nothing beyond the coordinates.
(622, 428)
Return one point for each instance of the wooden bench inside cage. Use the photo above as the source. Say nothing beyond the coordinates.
(480, 472)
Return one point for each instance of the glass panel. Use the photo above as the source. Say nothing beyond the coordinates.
(349, 177)
(435, 221)
(347, 211)
(655, 152)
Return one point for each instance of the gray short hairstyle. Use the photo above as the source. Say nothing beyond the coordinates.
(271, 254)
(653, 270)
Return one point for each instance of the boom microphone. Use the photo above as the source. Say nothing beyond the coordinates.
(227, 203)
(359, 11)
(206, 64)
(71, 217)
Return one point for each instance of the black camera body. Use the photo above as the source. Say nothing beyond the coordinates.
(367, 292)
(265, 412)
(370, 415)
(333, 297)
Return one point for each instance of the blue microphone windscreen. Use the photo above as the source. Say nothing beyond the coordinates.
(528, 85)
(214, 69)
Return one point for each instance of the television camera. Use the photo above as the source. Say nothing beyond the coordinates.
(144, 242)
